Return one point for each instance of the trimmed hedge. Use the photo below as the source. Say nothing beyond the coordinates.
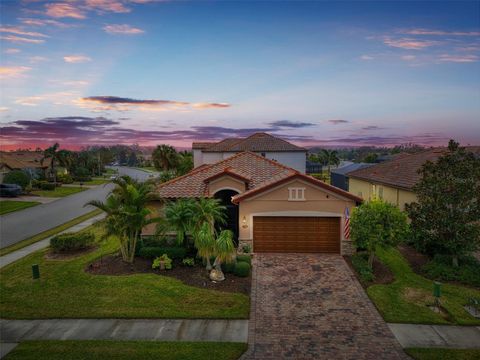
(71, 241)
(245, 258)
(228, 267)
(155, 251)
(242, 269)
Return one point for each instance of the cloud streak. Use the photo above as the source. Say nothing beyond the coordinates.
(21, 39)
(125, 104)
(337, 121)
(409, 43)
(64, 10)
(10, 72)
(20, 31)
(439, 32)
(75, 59)
(290, 124)
(122, 29)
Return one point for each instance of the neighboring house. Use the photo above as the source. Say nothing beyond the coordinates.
(9, 163)
(393, 180)
(269, 146)
(339, 176)
(34, 160)
(271, 207)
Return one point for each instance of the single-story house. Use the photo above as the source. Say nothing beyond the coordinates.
(269, 146)
(393, 180)
(339, 176)
(9, 163)
(271, 207)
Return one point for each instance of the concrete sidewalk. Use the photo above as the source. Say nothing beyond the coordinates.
(14, 331)
(442, 336)
(42, 244)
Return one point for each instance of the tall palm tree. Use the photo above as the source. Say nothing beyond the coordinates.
(330, 157)
(127, 213)
(207, 213)
(224, 249)
(165, 157)
(185, 162)
(52, 153)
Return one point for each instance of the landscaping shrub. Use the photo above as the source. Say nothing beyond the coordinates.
(360, 264)
(188, 262)
(17, 177)
(228, 267)
(441, 268)
(165, 259)
(65, 178)
(245, 258)
(154, 251)
(242, 269)
(45, 185)
(71, 241)
(246, 249)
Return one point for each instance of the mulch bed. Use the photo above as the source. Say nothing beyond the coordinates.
(383, 274)
(68, 255)
(194, 276)
(415, 259)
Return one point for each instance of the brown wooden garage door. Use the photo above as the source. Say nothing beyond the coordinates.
(296, 234)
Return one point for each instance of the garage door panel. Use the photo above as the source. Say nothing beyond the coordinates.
(296, 234)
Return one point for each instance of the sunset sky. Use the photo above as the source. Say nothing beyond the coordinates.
(93, 72)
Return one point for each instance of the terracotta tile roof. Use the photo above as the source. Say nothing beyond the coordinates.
(258, 142)
(260, 172)
(251, 166)
(11, 161)
(275, 181)
(34, 159)
(201, 145)
(230, 172)
(401, 172)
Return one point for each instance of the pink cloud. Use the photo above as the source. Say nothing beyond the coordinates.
(123, 29)
(44, 22)
(64, 10)
(409, 43)
(440, 32)
(20, 39)
(74, 59)
(19, 31)
(458, 58)
(107, 6)
(8, 72)
(12, 51)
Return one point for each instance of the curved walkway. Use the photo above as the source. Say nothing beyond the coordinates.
(310, 306)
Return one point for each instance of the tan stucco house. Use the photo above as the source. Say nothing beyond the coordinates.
(269, 146)
(272, 207)
(393, 181)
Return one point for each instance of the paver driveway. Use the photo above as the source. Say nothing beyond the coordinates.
(310, 306)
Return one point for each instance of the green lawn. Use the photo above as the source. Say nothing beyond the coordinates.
(59, 191)
(125, 350)
(406, 300)
(8, 206)
(65, 290)
(50, 232)
(443, 354)
(94, 181)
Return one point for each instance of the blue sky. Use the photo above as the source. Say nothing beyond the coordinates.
(319, 73)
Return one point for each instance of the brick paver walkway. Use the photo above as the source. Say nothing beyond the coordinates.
(312, 307)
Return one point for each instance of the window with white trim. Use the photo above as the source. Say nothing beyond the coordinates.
(296, 194)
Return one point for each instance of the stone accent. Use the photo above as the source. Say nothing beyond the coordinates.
(310, 306)
(248, 242)
(347, 247)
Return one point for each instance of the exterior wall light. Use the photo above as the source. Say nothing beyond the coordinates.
(244, 223)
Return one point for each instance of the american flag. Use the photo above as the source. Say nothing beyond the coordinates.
(346, 228)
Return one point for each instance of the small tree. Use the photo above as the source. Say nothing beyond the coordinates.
(18, 177)
(445, 218)
(179, 215)
(377, 224)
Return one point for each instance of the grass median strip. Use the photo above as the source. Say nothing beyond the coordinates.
(126, 350)
(59, 191)
(9, 206)
(443, 354)
(47, 233)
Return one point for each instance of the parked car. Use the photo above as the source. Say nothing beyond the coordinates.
(10, 190)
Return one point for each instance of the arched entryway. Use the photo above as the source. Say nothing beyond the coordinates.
(225, 197)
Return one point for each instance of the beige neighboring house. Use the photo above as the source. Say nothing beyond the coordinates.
(29, 161)
(271, 207)
(393, 181)
(269, 146)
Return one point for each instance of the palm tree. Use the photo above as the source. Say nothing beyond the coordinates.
(127, 213)
(224, 249)
(179, 215)
(330, 157)
(207, 213)
(165, 157)
(185, 162)
(52, 153)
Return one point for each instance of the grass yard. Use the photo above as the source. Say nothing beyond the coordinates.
(9, 206)
(50, 232)
(94, 181)
(65, 290)
(125, 350)
(59, 191)
(406, 300)
(443, 354)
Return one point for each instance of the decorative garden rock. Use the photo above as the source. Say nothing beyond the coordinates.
(216, 275)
